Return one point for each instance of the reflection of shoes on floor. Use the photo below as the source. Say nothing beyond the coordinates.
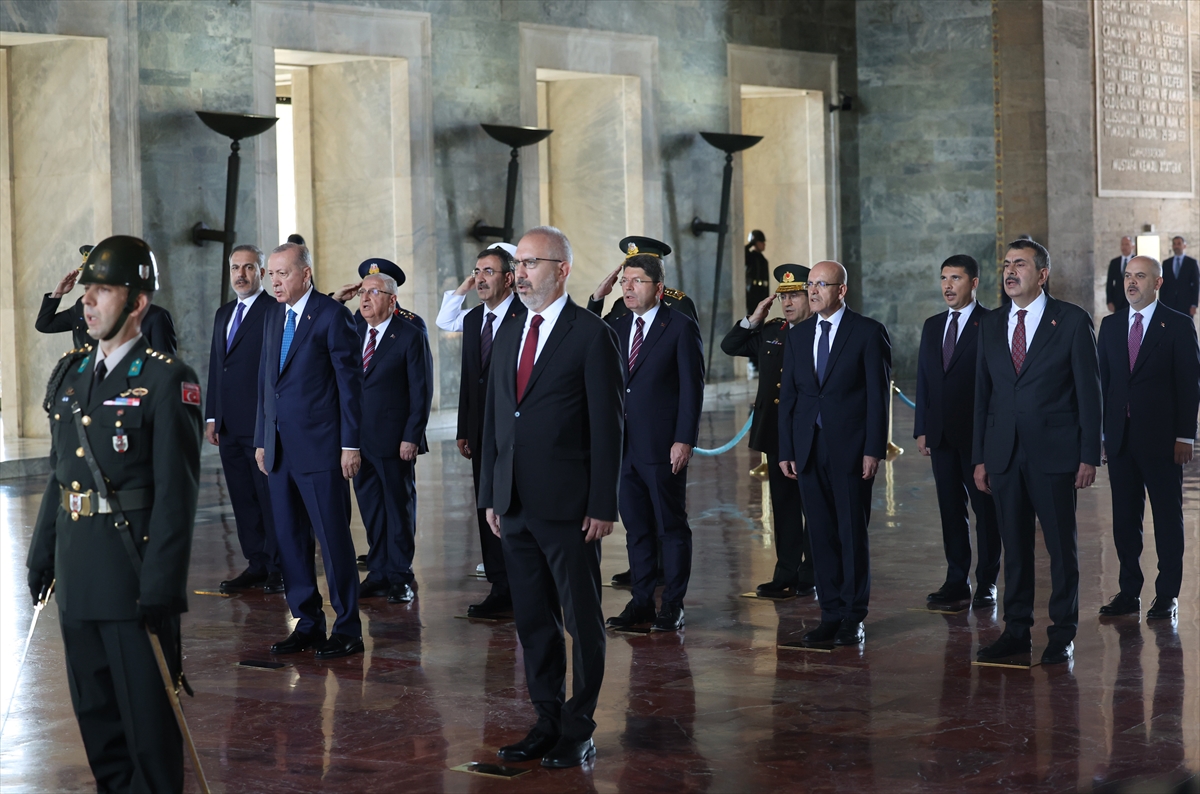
(1163, 609)
(624, 578)
(985, 597)
(274, 584)
(1058, 653)
(1007, 645)
(244, 581)
(775, 589)
(480, 569)
(492, 607)
(1121, 604)
(372, 588)
(634, 614)
(400, 594)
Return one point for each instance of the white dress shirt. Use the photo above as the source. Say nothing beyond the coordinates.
(1032, 319)
(116, 355)
(963, 314)
(298, 308)
(379, 329)
(247, 302)
(1147, 315)
(549, 317)
(835, 320)
(648, 319)
(452, 315)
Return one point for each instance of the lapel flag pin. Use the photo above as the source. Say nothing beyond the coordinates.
(1054, 322)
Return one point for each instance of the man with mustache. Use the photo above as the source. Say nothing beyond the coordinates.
(1037, 441)
(230, 411)
(945, 409)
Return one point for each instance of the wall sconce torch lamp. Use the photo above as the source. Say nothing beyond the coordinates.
(517, 138)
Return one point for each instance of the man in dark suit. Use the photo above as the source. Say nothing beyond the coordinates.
(764, 342)
(1181, 279)
(396, 398)
(664, 394)
(1037, 441)
(833, 424)
(1150, 372)
(1114, 287)
(307, 442)
(551, 462)
(231, 411)
(493, 282)
(945, 410)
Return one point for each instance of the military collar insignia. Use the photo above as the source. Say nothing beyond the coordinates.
(84, 363)
(135, 368)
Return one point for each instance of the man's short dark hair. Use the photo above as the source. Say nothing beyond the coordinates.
(967, 263)
(254, 249)
(651, 264)
(1041, 257)
(506, 260)
(1179, 237)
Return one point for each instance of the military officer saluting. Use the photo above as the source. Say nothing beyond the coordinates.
(632, 246)
(115, 526)
(762, 341)
(370, 267)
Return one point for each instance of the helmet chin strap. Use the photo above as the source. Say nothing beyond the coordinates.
(130, 304)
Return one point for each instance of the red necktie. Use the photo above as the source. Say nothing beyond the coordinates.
(637, 343)
(1018, 342)
(370, 351)
(528, 354)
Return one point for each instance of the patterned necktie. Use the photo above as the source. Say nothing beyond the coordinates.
(237, 321)
(289, 330)
(1135, 339)
(370, 351)
(950, 340)
(485, 341)
(528, 354)
(1018, 341)
(637, 342)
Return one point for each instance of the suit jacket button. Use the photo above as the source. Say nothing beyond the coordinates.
(518, 413)
(777, 401)
(627, 391)
(481, 381)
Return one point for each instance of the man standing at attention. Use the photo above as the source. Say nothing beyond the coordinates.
(1114, 287)
(1037, 441)
(307, 442)
(551, 459)
(833, 425)
(1181, 279)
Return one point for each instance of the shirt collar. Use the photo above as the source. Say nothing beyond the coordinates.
(1146, 313)
(383, 325)
(248, 302)
(501, 308)
(551, 312)
(651, 313)
(300, 304)
(835, 319)
(1036, 307)
(120, 353)
(965, 311)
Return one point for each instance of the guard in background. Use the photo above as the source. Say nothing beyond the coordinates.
(764, 343)
(157, 326)
(758, 284)
(115, 526)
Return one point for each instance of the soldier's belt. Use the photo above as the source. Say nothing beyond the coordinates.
(89, 503)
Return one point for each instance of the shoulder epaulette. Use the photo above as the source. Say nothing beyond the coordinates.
(151, 353)
(60, 371)
(406, 314)
(671, 292)
(777, 321)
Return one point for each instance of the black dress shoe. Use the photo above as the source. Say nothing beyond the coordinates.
(804, 589)
(1121, 604)
(361, 560)
(949, 594)
(492, 607)
(299, 641)
(633, 614)
(624, 579)
(775, 589)
(670, 618)
(1007, 645)
(373, 588)
(850, 634)
(244, 581)
(339, 645)
(400, 594)
(536, 744)
(274, 584)
(1058, 653)
(566, 754)
(985, 597)
(1163, 609)
(824, 632)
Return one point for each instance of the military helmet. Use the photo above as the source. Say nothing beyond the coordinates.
(121, 261)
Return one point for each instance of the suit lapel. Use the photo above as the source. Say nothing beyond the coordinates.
(312, 310)
(1155, 328)
(255, 313)
(471, 333)
(805, 334)
(561, 328)
(968, 334)
(1045, 330)
(622, 328)
(661, 321)
(223, 320)
(383, 343)
(845, 328)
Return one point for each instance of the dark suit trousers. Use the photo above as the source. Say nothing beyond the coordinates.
(838, 507)
(1024, 496)
(251, 499)
(560, 585)
(653, 504)
(954, 477)
(387, 498)
(308, 504)
(1131, 477)
(129, 731)
(493, 549)
(793, 549)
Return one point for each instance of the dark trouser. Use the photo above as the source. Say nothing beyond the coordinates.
(128, 727)
(793, 549)
(251, 499)
(387, 499)
(1023, 495)
(838, 506)
(560, 585)
(493, 549)
(653, 505)
(1131, 477)
(308, 504)
(954, 477)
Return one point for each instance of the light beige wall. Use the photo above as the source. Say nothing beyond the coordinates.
(595, 159)
(61, 198)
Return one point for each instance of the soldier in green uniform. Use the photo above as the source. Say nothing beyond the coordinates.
(631, 246)
(115, 526)
(763, 342)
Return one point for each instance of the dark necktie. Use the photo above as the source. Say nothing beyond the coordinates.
(485, 342)
(370, 351)
(637, 342)
(237, 321)
(822, 358)
(1175, 267)
(1018, 341)
(528, 354)
(950, 340)
(98, 376)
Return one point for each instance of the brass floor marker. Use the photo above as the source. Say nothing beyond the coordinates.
(490, 770)
(255, 664)
(504, 619)
(214, 593)
(767, 598)
(942, 609)
(1021, 662)
(813, 647)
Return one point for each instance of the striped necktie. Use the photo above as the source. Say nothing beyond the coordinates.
(637, 343)
(485, 342)
(370, 351)
(1018, 341)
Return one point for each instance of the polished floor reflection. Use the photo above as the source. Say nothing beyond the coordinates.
(718, 708)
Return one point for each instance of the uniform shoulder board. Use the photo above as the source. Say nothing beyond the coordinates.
(777, 321)
(671, 292)
(63, 366)
(412, 318)
(406, 314)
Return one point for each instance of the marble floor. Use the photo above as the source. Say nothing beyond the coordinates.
(717, 708)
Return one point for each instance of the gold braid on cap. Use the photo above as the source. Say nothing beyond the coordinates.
(632, 250)
(789, 284)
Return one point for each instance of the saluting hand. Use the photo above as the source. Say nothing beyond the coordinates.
(347, 292)
(351, 462)
(466, 286)
(607, 284)
(760, 311)
(66, 285)
(595, 529)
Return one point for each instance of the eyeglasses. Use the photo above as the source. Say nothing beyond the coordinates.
(532, 262)
(822, 284)
(374, 292)
(487, 271)
(637, 282)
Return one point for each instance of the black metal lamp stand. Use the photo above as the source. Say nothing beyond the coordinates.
(517, 138)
